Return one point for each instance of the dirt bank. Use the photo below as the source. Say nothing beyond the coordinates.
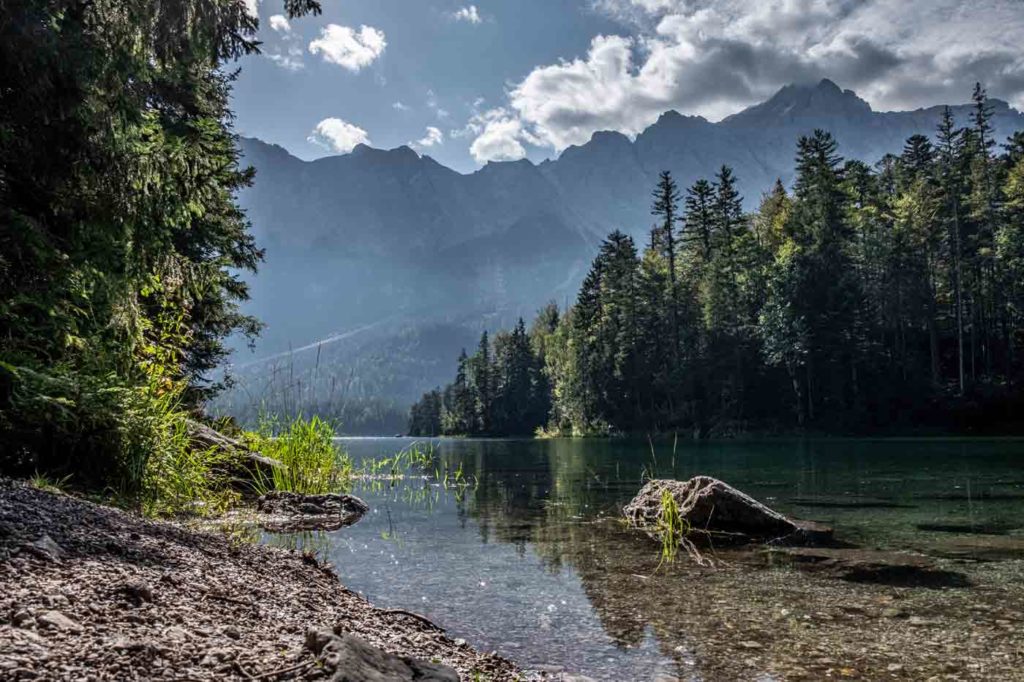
(90, 592)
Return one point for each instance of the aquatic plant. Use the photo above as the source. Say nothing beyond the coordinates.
(416, 455)
(672, 528)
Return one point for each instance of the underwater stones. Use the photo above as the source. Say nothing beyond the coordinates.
(897, 569)
(285, 512)
(979, 547)
(713, 507)
(968, 528)
(848, 502)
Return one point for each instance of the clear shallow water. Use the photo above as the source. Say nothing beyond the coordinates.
(530, 560)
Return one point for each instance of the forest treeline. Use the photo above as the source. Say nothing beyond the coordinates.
(864, 299)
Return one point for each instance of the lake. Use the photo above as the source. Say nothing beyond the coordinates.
(521, 551)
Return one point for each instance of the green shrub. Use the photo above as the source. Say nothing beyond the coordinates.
(128, 441)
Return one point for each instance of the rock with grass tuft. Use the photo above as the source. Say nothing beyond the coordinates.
(712, 507)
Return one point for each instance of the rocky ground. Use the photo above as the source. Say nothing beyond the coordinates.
(92, 593)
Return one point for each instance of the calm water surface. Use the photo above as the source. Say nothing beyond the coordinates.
(530, 560)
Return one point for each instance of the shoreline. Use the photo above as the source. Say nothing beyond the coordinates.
(93, 592)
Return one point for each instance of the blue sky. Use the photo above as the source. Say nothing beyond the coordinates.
(503, 79)
(440, 69)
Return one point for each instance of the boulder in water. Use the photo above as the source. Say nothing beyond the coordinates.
(715, 508)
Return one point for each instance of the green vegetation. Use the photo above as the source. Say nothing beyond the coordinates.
(311, 462)
(501, 389)
(868, 298)
(416, 456)
(672, 527)
(122, 242)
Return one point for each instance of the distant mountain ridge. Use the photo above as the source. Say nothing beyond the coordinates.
(389, 234)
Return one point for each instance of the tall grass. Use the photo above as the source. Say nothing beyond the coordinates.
(311, 463)
(163, 470)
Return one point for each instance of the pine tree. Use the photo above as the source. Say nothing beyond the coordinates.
(663, 240)
(770, 219)
(699, 221)
(482, 385)
(727, 210)
(459, 413)
(815, 297)
(917, 160)
(951, 172)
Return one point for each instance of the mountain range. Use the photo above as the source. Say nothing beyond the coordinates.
(366, 247)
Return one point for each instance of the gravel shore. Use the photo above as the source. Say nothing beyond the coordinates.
(88, 592)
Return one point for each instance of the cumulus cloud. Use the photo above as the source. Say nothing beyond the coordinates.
(398, 106)
(431, 138)
(713, 57)
(253, 8)
(279, 23)
(469, 14)
(499, 136)
(338, 135)
(348, 48)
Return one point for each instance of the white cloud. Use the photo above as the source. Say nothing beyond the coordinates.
(338, 135)
(252, 7)
(279, 23)
(713, 57)
(398, 106)
(348, 48)
(499, 136)
(432, 137)
(468, 14)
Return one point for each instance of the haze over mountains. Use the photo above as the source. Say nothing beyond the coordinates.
(384, 244)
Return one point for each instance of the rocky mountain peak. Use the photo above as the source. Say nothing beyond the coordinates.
(796, 102)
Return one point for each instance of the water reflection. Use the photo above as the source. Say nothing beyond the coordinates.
(529, 557)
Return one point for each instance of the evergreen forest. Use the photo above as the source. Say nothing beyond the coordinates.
(863, 299)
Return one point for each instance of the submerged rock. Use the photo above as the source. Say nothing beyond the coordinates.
(715, 508)
(968, 528)
(285, 512)
(979, 547)
(897, 569)
(347, 658)
(848, 502)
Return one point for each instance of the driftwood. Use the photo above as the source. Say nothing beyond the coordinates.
(206, 438)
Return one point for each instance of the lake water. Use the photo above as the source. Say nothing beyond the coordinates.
(528, 557)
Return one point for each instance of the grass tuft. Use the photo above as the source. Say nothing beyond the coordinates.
(311, 461)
